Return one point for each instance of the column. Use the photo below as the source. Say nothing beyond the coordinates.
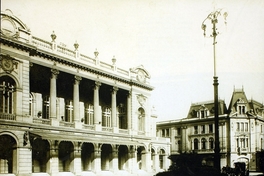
(166, 161)
(53, 93)
(77, 162)
(97, 108)
(156, 162)
(146, 160)
(24, 155)
(113, 107)
(132, 160)
(96, 163)
(76, 102)
(114, 162)
(53, 162)
(129, 117)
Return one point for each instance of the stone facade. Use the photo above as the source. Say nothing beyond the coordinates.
(63, 112)
(241, 131)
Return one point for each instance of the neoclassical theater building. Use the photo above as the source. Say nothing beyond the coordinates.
(65, 113)
(241, 131)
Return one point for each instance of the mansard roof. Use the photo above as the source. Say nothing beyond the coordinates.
(238, 96)
(207, 106)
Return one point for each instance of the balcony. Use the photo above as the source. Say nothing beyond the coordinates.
(41, 121)
(6, 116)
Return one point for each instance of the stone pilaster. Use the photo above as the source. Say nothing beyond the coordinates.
(96, 164)
(114, 162)
(24, 156)
(156, 167)
(53, 162)
(132, 160)
(129, 109)
(146, 160)
(77, 162)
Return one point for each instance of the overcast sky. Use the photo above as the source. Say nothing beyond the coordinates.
(164, 36)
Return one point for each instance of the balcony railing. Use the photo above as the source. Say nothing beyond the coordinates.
(41, 121)
(123, 131)
(66, 124)
(108, 129)
(6, 116)
(88, 127)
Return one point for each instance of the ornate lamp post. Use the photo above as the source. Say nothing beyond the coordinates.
(212, 17)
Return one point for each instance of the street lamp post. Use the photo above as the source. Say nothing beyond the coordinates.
(213, 18)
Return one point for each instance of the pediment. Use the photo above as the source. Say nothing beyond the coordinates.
(11, 25)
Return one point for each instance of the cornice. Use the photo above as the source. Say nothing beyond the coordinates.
(34, 51)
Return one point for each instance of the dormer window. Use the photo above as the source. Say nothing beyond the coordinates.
(241, 106)
(202, 112)
(241, 109)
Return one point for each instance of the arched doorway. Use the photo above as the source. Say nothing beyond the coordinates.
(65, 157)
(40, 149)
(140, 159)
(161, 159)
(8, 160)
(122, 157)
(87, 156)
(106, 157)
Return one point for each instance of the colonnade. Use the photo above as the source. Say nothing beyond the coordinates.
(76, 104)
(55, 156)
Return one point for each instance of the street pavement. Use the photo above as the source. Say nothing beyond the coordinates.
(256, 174)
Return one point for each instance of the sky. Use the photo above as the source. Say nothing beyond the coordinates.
(164, 36)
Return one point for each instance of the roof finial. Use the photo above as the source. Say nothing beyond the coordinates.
(96, 53)
(53, 36)
(76, 45)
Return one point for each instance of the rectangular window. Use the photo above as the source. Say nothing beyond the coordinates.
(195, 129)
(202, 114)
(178, 131)
(242, 126)
(246, 126)
(167, 132)
(203, 129)
(211, 128)
(106, 121)
(163, 133)
(89, 115)
(238, 126)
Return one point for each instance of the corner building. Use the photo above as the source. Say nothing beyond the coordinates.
(63, 112)
(241, 132)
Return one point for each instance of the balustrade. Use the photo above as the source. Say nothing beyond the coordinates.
(6, 116)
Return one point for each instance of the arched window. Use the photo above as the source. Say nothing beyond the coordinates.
(141, 119)
(7, 90)
(203, 143)
(195, 142)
